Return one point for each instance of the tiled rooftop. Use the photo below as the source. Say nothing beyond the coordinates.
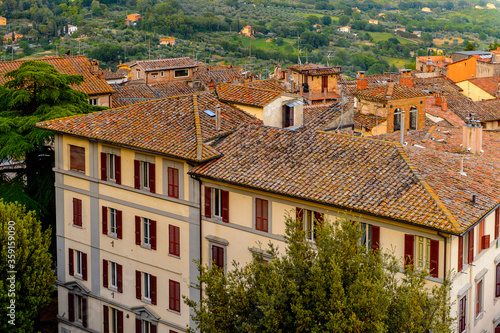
(159, 64)
(488, 84)
(245, 95)
(175, 126)
(436, 84)
(313, 69)
(367, 121)
(218, 75)
(375, 177)
(321, 115)
(384, 93)
(172, 89)
(78, 65)
(267, 84)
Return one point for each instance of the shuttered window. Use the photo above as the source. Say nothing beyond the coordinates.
(370, 236)
(77, 212)
(174, 240)
(111, 167)
(470, 255)
(409, 246)
(147, 228)
(173, 182)
(145, 175)
(145, 287)
(77, 158)
(497, 223)
(497, 281)
(218, 256)
(174, 295)
(261, 215)
(112, 320)
(423, 253)
(112, 222)
(77, 308)
(460, 253)
(462, 308)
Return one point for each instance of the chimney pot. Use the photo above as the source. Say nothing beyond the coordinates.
(473, 198)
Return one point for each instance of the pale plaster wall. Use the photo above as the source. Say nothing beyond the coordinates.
(473, 92)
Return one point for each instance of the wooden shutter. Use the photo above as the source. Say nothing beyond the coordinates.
(152, 174)
(460, 253)
(120, 321)
(481, 234)
(409, 245)
(173, 182)
(462, 310)
(173, 235)
(119, 277)
(138, 325)
(153, 289)
(137, 173)
(375, 237)
(290, 116)
(434, 258)
(138, 230)
(119, 218)
(105, 314)
(84, 266)
(153, 328)
(283, 116)
(77, 212)
(470, 257)
(118, 174)
(485, 242)
(104, 171)
(299, 214)
(497, 289)
(105, 273)
(71, 307)
(177, 241)
(497, 222)
(171, 301)
(153, 234)
(71, 259)
(104, 220)
(320, 218)
(138, 277)
(84, 311)
(225, 206)
(208, 202)
(174, 294)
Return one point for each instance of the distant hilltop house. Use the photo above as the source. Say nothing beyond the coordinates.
(3, 20)
(247, 31)
(167, 41)
(381, 14)
(13, 36)
(434, 50)
(72, 28)
(162, 70)
(418, 33)
(356, 9)
(132, 19)
(317, 26)
(346, 29)
(478, 7)
(426, 10)
(400, 29)
(371, 21)
(491, 6)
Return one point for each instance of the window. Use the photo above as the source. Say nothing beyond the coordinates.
(77, 212)
(114, 217)
(465, 249)
(138, 74)
(94, 101)
(174, 296)
(261, 215)
(497, 223)
(181, 73)
(497, 281)
(218, 202)
(174, 241)
(77, 262)
(484, 240)
(77, 308)
(114, 273)
(397, 120)
(218, 256)
(462, 312)
(148, 228)
(370, 236)
(479, 298)
(311, 220)
(423, 253)
(144, 175)
(413, 118)
(111, 167)
(113, 320)
(162, 74)
(173, 182)
(77, 158)
(145, 287)
(144, 326)
(287, 116)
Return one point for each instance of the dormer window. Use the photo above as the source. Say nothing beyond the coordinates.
(288, 112)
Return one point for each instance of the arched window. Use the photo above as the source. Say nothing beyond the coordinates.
(413, 118)
(397, 119)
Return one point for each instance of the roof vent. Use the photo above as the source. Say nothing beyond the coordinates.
(473, 200)
(210, 113)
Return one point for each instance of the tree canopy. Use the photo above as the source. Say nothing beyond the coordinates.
(23, 241)
(332, 285)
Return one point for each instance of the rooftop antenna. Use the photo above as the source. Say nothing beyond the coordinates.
(328, 59)
(298, 49)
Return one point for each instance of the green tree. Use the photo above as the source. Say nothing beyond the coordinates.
(426, 37)
(333, 285)
(470, 47)
(35, 92)
(326, 20)
(482, 36)
(343, 20)
(23, 241)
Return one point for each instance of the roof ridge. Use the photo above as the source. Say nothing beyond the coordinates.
(454, 223)
(197, 124)
(245, 86)
(360, 138)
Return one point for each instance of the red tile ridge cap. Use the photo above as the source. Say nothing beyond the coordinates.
(429, 132)
(197, 124)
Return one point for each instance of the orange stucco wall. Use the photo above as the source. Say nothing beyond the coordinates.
(462, 70)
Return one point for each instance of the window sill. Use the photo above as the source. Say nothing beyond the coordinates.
(113, 289)
(147, 301)
(174, 256)
(77, 226)
(114, 236)
(478, 318)
(147, 247)
(173, 311)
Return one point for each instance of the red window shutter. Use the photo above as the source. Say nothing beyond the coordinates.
(138, 230)
(208, 202)
(171, 302)
(225, 206)
(71, 259)
(152, 177)
(137, 172)
(104, 220)
(104, 171)
(497, 289)
(105, 314)
(171, 239)
(460, 253)
(138, 277)
(118, 172)
(264, 216)
(84, 311)
(299, 214)
(177, 249)
(481, 234)
(375, 237)
(74, 212)
(174, 246)
(258, 214)
(153, 328)
(173, 182)
(478, 290)
(177, 296)
(153, 289)
(77, 212)
(120, 321)
(409, 240)
(119, 218)
(84, 266)
(462, 309)
(471, 247)
(71, 307)
(174, 295)
(153, 234)
(485, 242)
(119, 277)
(497, 222)
(105, 273)
(220, 257)
(320, 217)
(434, 258)
(176, 183)
(138, 326)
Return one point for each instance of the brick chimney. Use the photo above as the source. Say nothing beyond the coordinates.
(94, 66)
(472, 136)
(444, 104)
(362, 81)
(437, 99)
(406, 79)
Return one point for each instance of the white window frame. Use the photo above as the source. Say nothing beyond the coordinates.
(111, 166)
(217, 202)
(162, 74)
(422, 253)
(113, 274)
(179, 76)
(147, 286)
(309, 224)
(114, 321)
(146, 326)
(146, 232)
(79, 263)
(144, 175)
(479, 296)
(78, 308)
(414, 111)
(113, 213)
(366, 235)
(94, 101)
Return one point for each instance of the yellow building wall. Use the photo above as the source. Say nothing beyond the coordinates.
(254, 111)
(473, 92)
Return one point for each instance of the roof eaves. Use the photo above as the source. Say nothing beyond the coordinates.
(197, 124)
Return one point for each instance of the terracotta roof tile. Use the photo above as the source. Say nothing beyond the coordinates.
(172, 89)
(267, 84)
(384, 93)
(159, 64)
(313, 69)
(218, 75)
(245, 95)
(367, 121)
(78, 65)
